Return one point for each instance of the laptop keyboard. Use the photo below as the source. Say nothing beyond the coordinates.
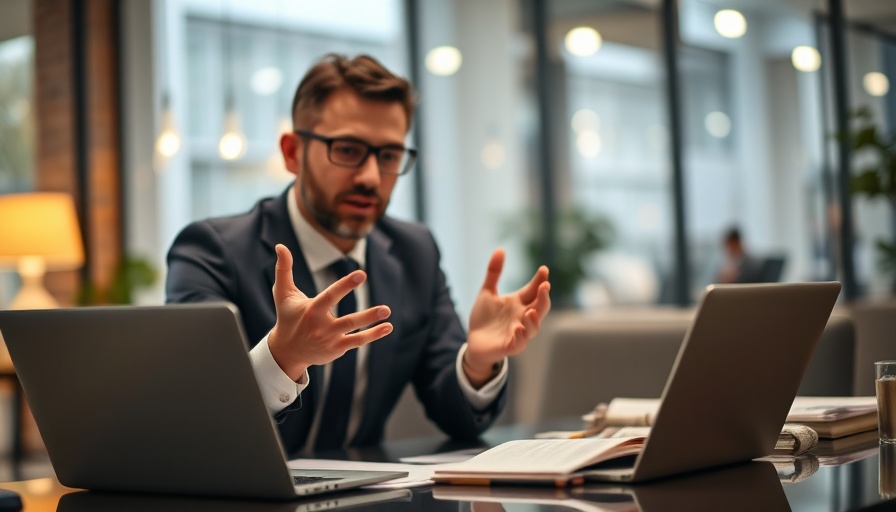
(299, 480)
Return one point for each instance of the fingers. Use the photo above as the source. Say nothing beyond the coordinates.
(283, 280)
(336, 291)
(357, 339)
(529, 292)
(518, 339)
(353, 321)
(361, 319)
(495, 266)
(531, 321)
(543, 300)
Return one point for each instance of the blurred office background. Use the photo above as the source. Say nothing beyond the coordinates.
(663, 122)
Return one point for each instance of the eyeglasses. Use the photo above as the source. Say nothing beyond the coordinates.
(348, 152)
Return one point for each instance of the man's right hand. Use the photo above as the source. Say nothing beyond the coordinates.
(306, 332)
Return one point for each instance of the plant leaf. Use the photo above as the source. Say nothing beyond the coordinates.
(866, 137)
(866, 182)
(863, 112)
(886, 255)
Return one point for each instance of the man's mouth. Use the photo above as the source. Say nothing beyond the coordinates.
(360, 203)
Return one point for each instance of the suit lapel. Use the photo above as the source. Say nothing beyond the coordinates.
(277, 229)
(383, 272)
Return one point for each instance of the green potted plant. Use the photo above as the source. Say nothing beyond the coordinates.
(131, 275)
(877, 178)
(579, 233)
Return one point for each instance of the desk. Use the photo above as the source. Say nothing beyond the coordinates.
(748, 487)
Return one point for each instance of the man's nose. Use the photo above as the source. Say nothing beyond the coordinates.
(368, 173)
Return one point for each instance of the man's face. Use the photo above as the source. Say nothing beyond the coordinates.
(733, 248)
(344, 203)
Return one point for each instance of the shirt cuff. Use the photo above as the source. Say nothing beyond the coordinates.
(480, 399)
(277, 389)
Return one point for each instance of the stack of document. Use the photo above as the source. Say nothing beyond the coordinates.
(833, 417)
(830, 416)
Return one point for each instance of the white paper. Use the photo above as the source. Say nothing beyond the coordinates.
(827, 408)
(632, 411)
(543, 456)
(642, 411)
(444, 458)
(418, 475)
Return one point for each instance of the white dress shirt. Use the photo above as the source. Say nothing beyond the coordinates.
(279, 391)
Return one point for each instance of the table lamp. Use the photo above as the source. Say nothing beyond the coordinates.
(38, 232)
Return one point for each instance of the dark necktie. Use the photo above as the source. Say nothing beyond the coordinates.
(334, 419)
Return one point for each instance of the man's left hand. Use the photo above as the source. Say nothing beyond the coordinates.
(502, 325)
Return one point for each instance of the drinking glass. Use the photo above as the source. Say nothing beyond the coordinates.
(885, 385)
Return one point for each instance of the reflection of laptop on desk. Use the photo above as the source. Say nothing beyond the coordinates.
(90, 501)
(156, 399)
(734, 380)
(747, 487)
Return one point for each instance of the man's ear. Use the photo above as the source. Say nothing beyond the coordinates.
(291, 149)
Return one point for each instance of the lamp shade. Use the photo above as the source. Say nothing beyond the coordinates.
(40, 225)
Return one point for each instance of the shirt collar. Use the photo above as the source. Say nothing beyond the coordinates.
(318, 251)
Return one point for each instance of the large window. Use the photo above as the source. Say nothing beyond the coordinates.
(225, 64)
(756, 130)
(613, 144)
(752, 138)
(16, 118)
(871, 59)
(477, 134)
(250, 63)
(16, 130)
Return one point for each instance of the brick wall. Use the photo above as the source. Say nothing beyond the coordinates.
(76, 97)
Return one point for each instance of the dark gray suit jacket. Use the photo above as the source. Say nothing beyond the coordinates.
(232, 259)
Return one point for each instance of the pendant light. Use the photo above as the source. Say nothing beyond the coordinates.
(275, 166)
(232, 144)
(168, 141)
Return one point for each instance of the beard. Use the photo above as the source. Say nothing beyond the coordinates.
(353, 227)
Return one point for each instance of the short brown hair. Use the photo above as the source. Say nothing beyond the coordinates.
(363, 75)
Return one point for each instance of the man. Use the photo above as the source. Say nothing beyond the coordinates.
(322, 382)
(739, 266)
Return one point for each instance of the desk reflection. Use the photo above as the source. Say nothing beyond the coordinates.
(88, 501)
(843, 477)
(887, 471)
(747, 487)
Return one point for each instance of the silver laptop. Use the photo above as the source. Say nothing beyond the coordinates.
(734, 380)
(156, 399)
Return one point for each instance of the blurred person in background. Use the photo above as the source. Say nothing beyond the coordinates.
(739, 266)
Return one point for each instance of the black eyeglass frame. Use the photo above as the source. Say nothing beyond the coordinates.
(411, 152)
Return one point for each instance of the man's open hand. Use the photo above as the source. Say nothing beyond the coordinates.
(306, 332)
(502, 325)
